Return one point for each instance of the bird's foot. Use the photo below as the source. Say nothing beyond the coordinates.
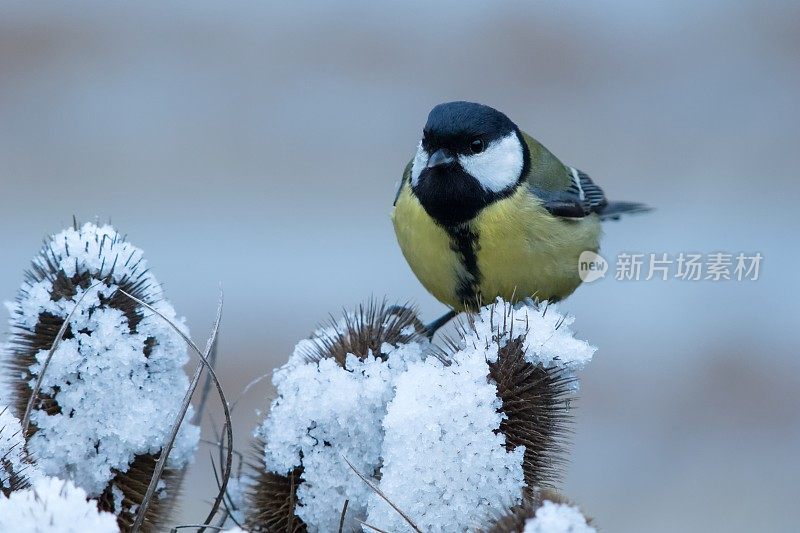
(431, 328)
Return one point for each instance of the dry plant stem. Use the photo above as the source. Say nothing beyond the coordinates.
(186, 526)
(344, 513)
(162, 459)
(26, 418)
(373, 528)
(227, 502)
(212, 360)
(184, 407)
(380, 493)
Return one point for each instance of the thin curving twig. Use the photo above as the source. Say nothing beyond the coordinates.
(161, 464)
(184, 526)
(380, 493)
(26, 418)
(341, 518)
(373, 528)
(201, 407)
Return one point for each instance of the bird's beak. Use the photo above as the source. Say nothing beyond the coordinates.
(440, 157)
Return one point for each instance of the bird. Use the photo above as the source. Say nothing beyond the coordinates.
(484, 210)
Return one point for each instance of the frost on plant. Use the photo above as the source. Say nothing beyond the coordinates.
(542, 512)
(557, 518)
(466, 440)
(15, 468)
(54, 506)
(332, 396)
(445, 463)
(453, 438)
(112, 388)
(546, 336)
(532, 356)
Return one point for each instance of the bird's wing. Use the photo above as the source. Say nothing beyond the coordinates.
(406, 177)
(581, 197)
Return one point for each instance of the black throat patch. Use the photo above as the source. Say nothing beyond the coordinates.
(450, 195)
(464, 242)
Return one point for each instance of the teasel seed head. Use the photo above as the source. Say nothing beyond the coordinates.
(363, 332)
(516, 518)
(532, 359)
(271, 498)
(114, 355)
(535, 401)
(331, 398)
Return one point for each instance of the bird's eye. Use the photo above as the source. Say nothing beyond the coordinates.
(476, 146)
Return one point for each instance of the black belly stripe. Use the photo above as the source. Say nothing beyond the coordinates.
(464, 242)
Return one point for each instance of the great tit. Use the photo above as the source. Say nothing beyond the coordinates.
(484, 210)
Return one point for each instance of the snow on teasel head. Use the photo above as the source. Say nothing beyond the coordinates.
(533, 357)
(113, 386)
(543, 512)
(52, 505)
(467, 440)
(332, 396)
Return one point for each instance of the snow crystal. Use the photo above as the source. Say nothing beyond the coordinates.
(445, 463)
(548, 337)
(53, 506)
(12, 451)
(557, 518)
(325, 413)
(117, 378)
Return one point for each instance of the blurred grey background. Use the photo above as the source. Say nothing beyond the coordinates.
(258, 145)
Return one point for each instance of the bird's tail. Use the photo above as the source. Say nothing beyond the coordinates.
(613, 210)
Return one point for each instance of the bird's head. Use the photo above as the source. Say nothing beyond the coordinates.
(470, 155)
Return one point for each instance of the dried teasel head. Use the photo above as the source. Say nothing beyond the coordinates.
(362, 332)
(331, 398)
(535, 402)
(528, 354)
(537, 513)
(113, 355)
(271, 498)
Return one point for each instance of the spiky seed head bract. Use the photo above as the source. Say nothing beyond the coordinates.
(115, 382)
(522, 518)
(363, 332)
(271, 498)
(532, 356)
(15, 465)
(331, 398)
(535, 404)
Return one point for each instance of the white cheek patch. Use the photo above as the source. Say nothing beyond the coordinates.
(420, 161)
(499, 166)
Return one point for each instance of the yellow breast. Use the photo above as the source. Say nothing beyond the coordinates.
(521, 249)
(427, 248)
(524, 251)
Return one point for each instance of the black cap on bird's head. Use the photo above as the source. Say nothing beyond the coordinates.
(470, 155)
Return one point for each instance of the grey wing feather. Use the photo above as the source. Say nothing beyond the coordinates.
(583, 197)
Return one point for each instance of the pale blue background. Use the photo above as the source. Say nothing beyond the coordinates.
(258, 145)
